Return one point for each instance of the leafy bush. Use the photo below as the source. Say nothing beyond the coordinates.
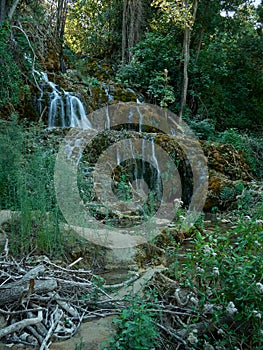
(204, 129)
(150, 60)
(160, 90)
(224, 271)
(10, 73)
(136, 329)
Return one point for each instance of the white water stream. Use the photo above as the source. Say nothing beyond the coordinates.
(65, 109)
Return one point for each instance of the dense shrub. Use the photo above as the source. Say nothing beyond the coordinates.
(10, 73)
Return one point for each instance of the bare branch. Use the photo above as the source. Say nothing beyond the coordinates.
(15, 327)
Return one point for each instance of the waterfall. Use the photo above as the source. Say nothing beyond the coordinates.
(140, 120)
(56, 113)
(107, 92)
(154, 159)
(156, 173)
(143, 157)
(118, 158)
(139, 98)
(110, 98)
(76, 113)
(135, 173)
(107, 123)
(65, 109)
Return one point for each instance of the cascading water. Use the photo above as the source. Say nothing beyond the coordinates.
(140, 120)
(56, 113)
(118, 157)
(156, 173)
(76, 112)
(143, 156)
(110, 98)
(65, 109)
(135, 173)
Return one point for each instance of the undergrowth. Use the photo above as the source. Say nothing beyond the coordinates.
(223, 272)
(26, 185)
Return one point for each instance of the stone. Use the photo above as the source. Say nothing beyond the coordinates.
(90, 335)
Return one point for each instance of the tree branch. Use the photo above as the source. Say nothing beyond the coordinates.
(12, 9)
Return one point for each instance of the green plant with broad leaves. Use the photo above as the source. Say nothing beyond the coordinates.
(123, 190)
(136, 328)
(153, 67)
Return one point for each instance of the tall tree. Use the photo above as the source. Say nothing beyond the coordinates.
(132, 25)
(94, 27)
(183, 14)
(2, 11)
(190, 19)
(7, 9)
(61, 14)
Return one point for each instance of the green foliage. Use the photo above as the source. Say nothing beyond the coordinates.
(123, 190)
(93, 27)
(229, 194)
(11, 161)
(224, 271)
(10, 73)
(160, 90)
(26, 177)
(204, 128)
(136, 329)
(150, 60)
(80, 346)
(227, 78)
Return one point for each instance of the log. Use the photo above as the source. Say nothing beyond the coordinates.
(33, 273)
(16, 291)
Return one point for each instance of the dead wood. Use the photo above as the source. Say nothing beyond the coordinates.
(44, 302)
(15, 327)
(18, 293)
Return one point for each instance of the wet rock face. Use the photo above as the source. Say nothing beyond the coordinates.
(93, 94)
(134, 170)
(228, 173)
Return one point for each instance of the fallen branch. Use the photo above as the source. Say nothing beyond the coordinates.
(55, 317)
(21, 324)
(18, 292)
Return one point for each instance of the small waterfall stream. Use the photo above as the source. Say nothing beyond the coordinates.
(110, 98)
(65, 109)
(156, 173)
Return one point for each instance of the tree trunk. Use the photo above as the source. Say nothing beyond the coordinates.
(61, 18)
(186, 52)
(2, 11)
(186, 47)
(124, 31)
(16, 291)
(12, 10)
(132, 24)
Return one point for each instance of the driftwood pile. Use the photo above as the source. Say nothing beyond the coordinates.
(42, 302)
